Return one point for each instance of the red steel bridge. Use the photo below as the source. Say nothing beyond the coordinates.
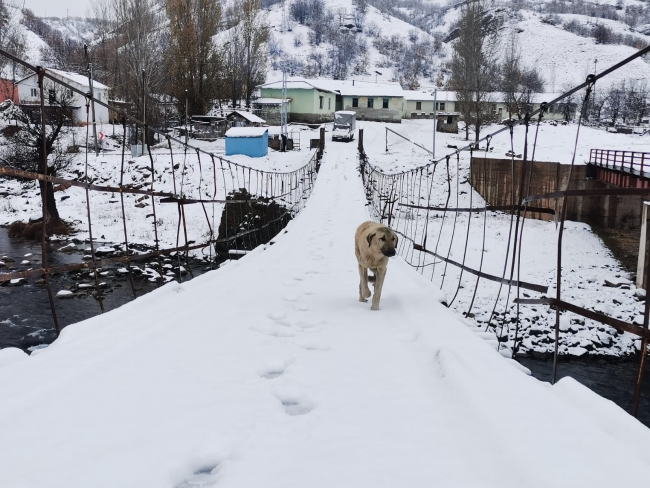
(625, 169)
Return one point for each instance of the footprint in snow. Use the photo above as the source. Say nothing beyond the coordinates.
(291, 298)
(308, 324)
(294, 404)
(203, 477)
(277, 315)
(313, 346)
(302, 307)
(272, 331)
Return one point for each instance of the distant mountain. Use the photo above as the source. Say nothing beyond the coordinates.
(410, 41)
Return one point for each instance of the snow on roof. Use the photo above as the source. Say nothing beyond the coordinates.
(68, 76)
(249, 116)
(270, 101)
(297, 84)
(367, 89)
(346, 112)
(246, 131)
(78, 78)
(344, 87)
(420, 95)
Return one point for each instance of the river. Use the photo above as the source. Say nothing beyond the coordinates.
(25, 316)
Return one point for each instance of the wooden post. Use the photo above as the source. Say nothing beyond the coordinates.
(643, 271)
(361, 150)
(641, 278)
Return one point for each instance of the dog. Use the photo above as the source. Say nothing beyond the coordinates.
(373, 244)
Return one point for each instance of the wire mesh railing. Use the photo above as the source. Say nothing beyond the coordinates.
(183, 200)
(424, 207)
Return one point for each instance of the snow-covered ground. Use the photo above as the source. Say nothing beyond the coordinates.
(21, 201)
(587, 263)
(269, 372)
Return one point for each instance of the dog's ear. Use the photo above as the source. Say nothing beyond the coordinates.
(369, 239)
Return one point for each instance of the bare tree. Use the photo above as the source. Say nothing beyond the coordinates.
(142, 42)
(569, 105)
(473, 66)
(191, 60)
(636, 102)
(615, 102)
(244, 51)
(24, 150)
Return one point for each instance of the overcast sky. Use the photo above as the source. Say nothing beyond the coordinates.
(57, 8)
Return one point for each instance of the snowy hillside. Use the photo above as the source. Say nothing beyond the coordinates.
(377, 42)
(32, 43)
(556, 37)
(74, 28)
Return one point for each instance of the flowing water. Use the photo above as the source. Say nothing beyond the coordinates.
(25, 316)
(612, 379)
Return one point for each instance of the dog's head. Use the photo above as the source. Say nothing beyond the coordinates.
(383, 241)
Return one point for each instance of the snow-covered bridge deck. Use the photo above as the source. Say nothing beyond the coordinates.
(269, 373)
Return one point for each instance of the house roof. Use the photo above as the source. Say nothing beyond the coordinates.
(246, 131)
(422, 96)
(343, 87)
(298, 84)
(354, 88)
(248, 116)
(76, 78)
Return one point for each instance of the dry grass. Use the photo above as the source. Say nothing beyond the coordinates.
(34, 230)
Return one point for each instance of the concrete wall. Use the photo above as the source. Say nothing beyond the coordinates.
(426, 107)
(394, 112)
(492, 178)
(305, 104)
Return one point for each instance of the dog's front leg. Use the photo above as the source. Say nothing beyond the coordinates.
(364, 291)
(379, 284)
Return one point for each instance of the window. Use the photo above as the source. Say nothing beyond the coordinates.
(449, 119)
(418, 105)
(355, 102)
(52, 96)
(371, 103)
(385, 103)
(440, 106)
(329, 104)
(34, 92)
(321, 102)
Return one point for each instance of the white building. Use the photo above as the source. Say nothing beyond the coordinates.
(29, 94)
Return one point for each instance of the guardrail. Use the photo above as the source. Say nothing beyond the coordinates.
(635, 163)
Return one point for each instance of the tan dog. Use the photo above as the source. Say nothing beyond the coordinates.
(373, 244)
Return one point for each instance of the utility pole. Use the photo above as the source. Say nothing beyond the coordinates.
(435, 119)
(187, 130)
(144, 111)
(92, 98)
(283, 110)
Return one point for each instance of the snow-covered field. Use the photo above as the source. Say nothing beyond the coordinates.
(587, 263)
(21, 201)
(269, 372)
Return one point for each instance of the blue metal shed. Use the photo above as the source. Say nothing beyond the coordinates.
(251, 141)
